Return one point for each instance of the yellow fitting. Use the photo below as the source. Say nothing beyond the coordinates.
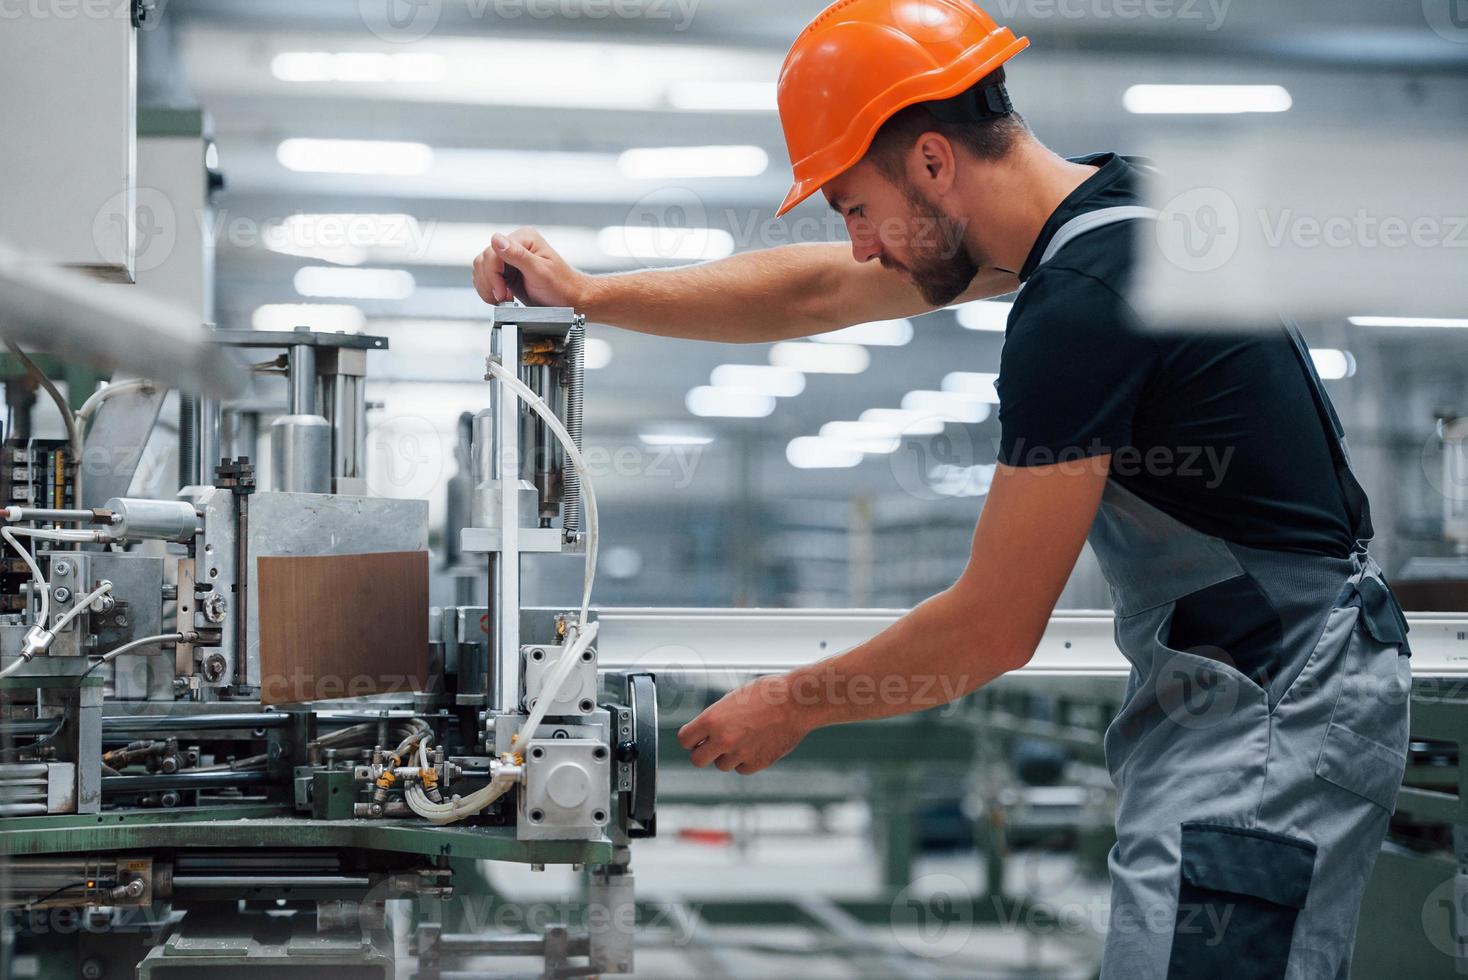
(386, 780)
(429, 778)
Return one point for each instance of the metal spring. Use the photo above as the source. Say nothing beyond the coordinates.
(188, 470)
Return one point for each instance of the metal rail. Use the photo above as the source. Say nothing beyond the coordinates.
(739, 641)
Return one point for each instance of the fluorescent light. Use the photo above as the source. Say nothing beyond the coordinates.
(596, 353)
(906, 422)
(711, 401)
(778, 381)
(357, 66)
(815, 453)
(985, 314)
(321, 317)
(1406, 321)
(949, 404)
(666, 243)
(878, 333)
(660, 440)
(979, 384)
(820, 358)
(680, 162)
(1206, 99)
(1332, 364)
(724, 96)
(868, 437)
(385, 157)
(325, 280)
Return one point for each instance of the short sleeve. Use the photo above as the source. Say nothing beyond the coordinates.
(1073, 369)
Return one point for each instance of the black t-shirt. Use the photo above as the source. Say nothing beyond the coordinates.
(1217, 430)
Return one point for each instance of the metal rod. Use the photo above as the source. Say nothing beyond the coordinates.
(196, 780)
(575, 399)
(207, 439)
(185, 882)
(303, 380)
(180, 723)
(522, 944)
(504, 599)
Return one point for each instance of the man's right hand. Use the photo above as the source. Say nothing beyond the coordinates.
(521, 265)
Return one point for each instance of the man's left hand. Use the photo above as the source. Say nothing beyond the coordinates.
(747, 730)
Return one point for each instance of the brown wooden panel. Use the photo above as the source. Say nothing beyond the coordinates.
(335, 626)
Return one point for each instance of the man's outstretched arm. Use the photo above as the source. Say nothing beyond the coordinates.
(989, 622)
(753, 297)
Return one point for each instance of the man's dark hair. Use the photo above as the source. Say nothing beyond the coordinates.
(987, 136)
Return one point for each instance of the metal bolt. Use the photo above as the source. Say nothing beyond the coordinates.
(120, 619)
(61, 594)
(214, 666)
(61, 567)
(169, 798)
(91, 969)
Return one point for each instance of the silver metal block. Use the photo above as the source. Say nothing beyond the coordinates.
(577, 695)
(567, 792)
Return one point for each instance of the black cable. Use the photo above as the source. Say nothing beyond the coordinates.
(46, 898)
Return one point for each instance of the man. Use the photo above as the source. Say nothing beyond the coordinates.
(1263, 735)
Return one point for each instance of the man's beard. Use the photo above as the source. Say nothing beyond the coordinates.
(940, 265)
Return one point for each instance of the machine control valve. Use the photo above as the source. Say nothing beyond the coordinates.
(577, 694)
(567, 790)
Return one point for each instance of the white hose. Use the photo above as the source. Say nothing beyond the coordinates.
(58, 534)
(579, 636)
(457, 808)
(576, 643)
(81, 606)
(540, 408)
(101, 395)
(8, 533)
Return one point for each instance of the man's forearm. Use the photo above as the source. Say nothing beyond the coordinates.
(756, 297)
(931, 656)
(772, 294)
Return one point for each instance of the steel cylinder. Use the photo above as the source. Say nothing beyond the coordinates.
(300, 454)
(157, 520)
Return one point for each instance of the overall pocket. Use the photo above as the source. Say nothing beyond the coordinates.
(1239, 895)
(1364, 750)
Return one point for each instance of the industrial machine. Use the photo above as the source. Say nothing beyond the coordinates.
(235, 733)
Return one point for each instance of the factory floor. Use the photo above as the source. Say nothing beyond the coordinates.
(708, 855)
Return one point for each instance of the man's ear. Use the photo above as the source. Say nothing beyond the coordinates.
(931, 164)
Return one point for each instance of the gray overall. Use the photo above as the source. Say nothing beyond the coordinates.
(1251, 809)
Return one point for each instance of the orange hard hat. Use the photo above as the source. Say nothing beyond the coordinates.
(861, 61)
